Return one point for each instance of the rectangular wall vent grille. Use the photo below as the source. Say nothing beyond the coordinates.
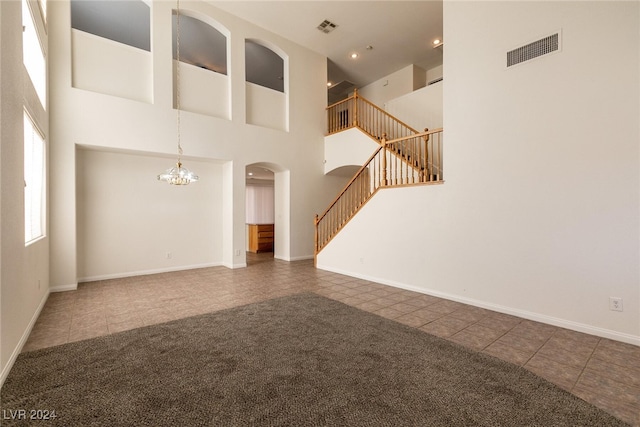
(533, 50)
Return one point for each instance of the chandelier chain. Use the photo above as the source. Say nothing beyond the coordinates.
(178, 175)
(178, 78)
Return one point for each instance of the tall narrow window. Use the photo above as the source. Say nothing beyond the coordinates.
(33, 182)
(33, 54)
(43, 9)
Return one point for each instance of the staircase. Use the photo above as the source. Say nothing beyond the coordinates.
(404, 157)
(356, 111)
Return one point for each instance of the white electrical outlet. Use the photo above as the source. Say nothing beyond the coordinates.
(615, 304)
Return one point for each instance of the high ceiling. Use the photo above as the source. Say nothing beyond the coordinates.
(400, 32)
(386, 35)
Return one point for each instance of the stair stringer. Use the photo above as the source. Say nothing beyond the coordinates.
(385, 231)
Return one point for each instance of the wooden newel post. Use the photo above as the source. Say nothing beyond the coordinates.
(355, 107)
(384, 160)
(427, 169)
(315, 242)
(316, 234)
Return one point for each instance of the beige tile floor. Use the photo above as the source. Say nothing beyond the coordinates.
(601, 371)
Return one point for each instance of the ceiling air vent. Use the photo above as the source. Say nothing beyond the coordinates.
(326, 26)
(533, 50)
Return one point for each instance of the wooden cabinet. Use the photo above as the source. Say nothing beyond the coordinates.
(260, 238)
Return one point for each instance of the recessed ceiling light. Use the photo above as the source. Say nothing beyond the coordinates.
(250, 174)
(329, 84)
(354, 55)
(436, 41)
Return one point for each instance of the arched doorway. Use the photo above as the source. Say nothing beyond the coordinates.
(259, 213)
(266, 212)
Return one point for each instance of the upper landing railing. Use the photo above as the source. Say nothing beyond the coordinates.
(356, 111)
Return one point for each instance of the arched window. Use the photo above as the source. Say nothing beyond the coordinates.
(263, 66)
(267, 87)
(204, 81)
(200, 44)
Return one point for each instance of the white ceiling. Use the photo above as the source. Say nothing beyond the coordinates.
(400, 32)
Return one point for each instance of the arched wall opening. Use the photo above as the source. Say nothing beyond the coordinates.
(205, 85)
(105, 58)
(267, 85)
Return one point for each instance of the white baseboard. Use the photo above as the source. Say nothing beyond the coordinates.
(294, 258)
(562, 323)
(23, 340)
(146, 272)
(300, 258)
(64, 288)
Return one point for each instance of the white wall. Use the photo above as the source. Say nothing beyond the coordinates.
(539, 215)
(419, 109)
(24, 271)
(202, 91)
(347, 148)
(266, 107)
(109, 123)
(394, 85)
(435, 73)
(130, 224)
(104, 66)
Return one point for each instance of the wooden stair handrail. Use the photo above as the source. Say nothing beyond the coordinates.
(391, 116)
(346, 187)
(380, 171)
(366, 164)
(417, 135)
(340, 102)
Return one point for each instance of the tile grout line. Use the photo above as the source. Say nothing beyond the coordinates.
(585, 365)
(494, 341)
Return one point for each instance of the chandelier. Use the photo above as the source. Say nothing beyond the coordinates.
(178, 175)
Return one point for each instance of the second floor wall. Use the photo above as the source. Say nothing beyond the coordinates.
(213, 65)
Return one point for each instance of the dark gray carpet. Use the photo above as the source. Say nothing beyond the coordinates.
(302, 360)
